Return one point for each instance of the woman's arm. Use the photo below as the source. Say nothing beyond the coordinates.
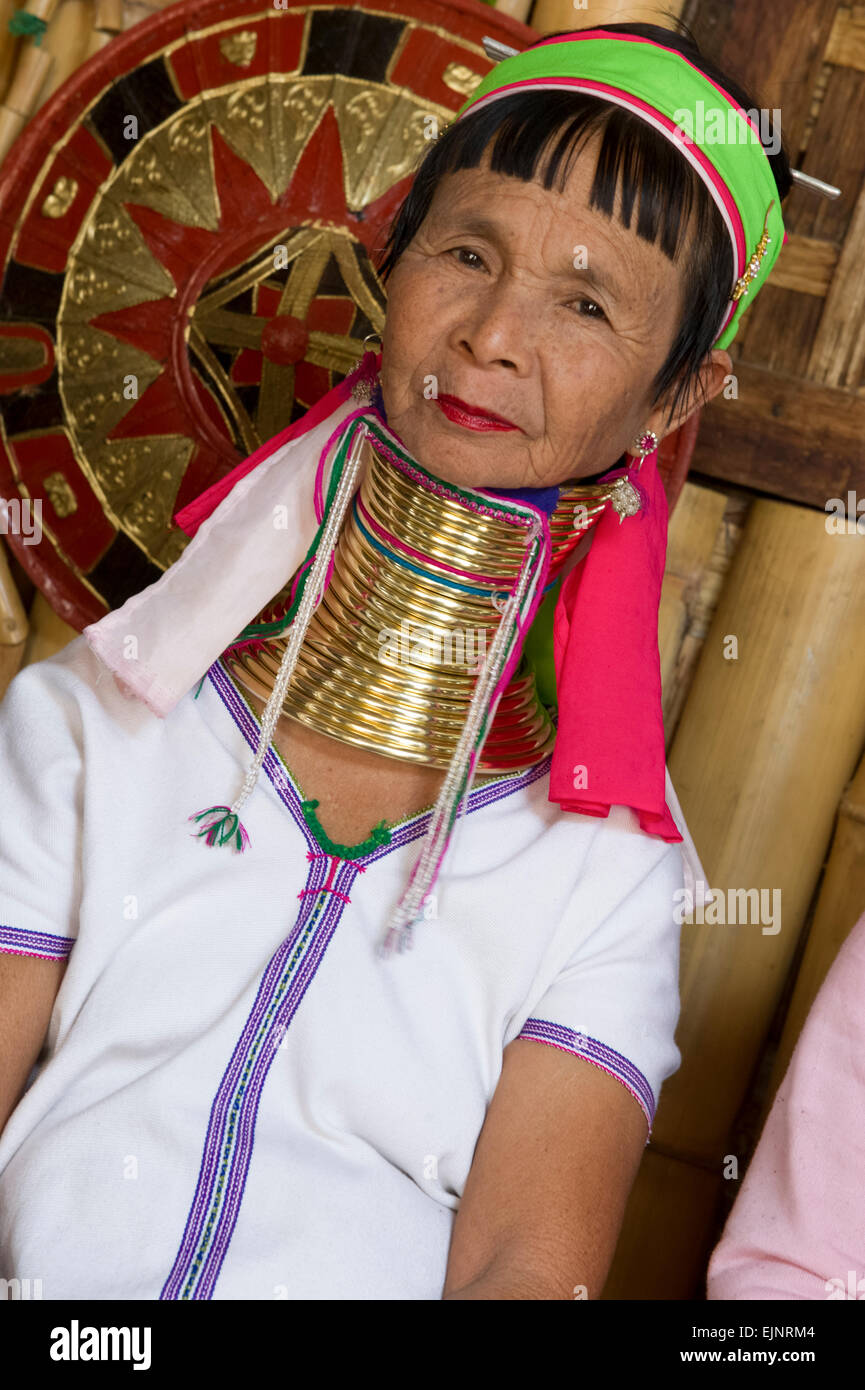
(552, 1170)
(28, 988)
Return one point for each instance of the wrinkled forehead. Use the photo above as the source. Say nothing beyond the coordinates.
(565, 222)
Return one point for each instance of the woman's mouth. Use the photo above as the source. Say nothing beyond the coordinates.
(472, 417)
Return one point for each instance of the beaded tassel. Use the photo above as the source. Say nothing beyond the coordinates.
(223, 829)
(226, 827)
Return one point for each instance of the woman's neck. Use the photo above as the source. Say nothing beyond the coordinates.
(420, 575)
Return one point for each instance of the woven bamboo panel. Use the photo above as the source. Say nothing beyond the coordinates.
(796, 429)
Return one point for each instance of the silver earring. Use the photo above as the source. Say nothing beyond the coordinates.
(645, 443)
(624, 498)
(362, 388)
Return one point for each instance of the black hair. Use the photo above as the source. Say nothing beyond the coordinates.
(670, 193)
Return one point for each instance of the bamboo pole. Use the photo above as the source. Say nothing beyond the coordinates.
(548, 16)
(764, 749)
(133, 10)
(11, 657)
(67, 39)
(793, 594)
(31, 73)
(96, 40)
(9, 45)
(109, 19)
(13, 619)
(699, 551)
(667, 1231)
(517, 9)
(109, 16)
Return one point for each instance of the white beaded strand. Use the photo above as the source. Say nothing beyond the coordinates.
(312, 596)
(407, 910)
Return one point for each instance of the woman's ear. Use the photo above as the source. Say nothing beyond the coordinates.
(716, 368)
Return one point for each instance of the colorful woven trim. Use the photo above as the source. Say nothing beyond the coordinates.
(18, 941)
(599, 1054)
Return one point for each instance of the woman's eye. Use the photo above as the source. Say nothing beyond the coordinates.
(590, 303)
(462, 253)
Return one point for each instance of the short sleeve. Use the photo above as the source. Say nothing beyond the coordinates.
(40, 812)
(615, 1002)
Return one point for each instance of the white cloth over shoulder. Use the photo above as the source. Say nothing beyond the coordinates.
(233, 566)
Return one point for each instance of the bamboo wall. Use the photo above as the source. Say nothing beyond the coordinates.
(762, 614)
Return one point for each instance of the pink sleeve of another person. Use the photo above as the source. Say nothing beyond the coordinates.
(797, 1228)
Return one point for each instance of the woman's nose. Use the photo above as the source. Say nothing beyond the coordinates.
(497, 328)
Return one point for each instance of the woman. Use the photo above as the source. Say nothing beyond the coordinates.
(245, 1093)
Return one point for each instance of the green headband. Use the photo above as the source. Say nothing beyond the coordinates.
(664, 89)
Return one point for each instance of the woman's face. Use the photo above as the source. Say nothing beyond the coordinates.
(532, 306)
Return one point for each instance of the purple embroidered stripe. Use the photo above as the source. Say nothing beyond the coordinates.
(228, 1143)
(231, 1132)
(557, 1035)
(329, 916)
(271, 766)
(16, 941)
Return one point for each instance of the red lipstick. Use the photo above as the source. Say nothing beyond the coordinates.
(472, 417)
